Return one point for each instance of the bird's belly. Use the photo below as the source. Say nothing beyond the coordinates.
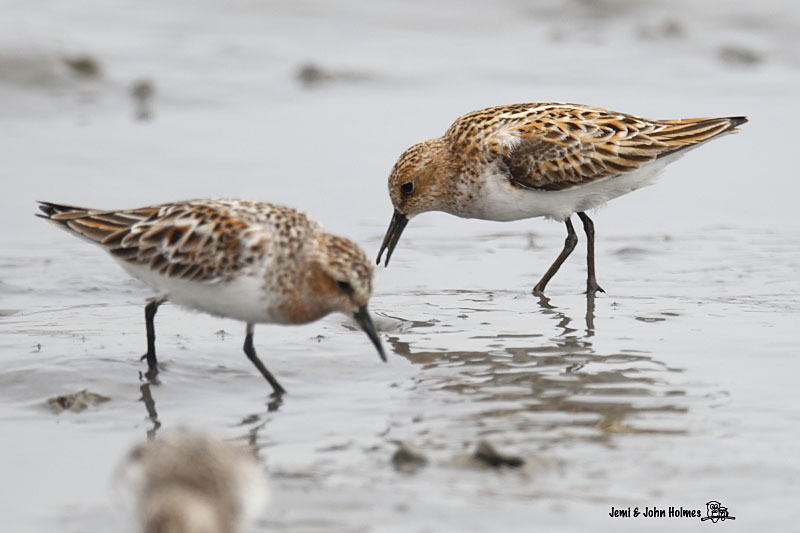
(241, 298)
(500, 200)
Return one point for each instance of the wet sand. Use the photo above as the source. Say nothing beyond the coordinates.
(669, 390)
(674, 388)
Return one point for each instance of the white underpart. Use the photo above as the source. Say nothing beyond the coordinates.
(243, 297)
(252, 490)
(500, 200)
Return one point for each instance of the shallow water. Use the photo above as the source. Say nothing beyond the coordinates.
(674, 388)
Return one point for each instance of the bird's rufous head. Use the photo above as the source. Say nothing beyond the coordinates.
(419, 182)
(340, 279)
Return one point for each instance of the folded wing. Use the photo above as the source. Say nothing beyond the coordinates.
(558, 146)
(184, 240)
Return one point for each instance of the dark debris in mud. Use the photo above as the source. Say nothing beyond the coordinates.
(84, 66)
(739, 55)
(487, 454)
(313, 75)
(142, 92)
(408, 460)
(75, 402)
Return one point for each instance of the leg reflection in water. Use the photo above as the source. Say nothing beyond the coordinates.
(150, 407)
(541, 371)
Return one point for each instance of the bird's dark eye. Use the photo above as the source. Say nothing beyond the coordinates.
(344, 286)
(407, 187)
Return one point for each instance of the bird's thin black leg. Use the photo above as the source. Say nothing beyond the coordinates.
(149, 316)
(569, 245)
(591, 281)
(251, 354)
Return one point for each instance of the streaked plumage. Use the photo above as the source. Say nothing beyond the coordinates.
(255, 262)
(529, 160)
(188, 483)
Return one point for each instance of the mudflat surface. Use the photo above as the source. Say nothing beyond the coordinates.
(676, 387)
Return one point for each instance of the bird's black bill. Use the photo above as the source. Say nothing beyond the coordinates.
(363, 319)
(396, 226)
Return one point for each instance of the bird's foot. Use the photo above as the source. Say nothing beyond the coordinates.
(151, 376)
(275, 401)
(592, 287)
(150, 357)
(152, 366)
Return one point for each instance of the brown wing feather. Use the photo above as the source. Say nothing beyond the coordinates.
(558, 146)
(190, 240)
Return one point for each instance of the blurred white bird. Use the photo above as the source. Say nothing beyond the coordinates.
(188, 483)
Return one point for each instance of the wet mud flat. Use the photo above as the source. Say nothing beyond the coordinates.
(673, 389)
(497, 411)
